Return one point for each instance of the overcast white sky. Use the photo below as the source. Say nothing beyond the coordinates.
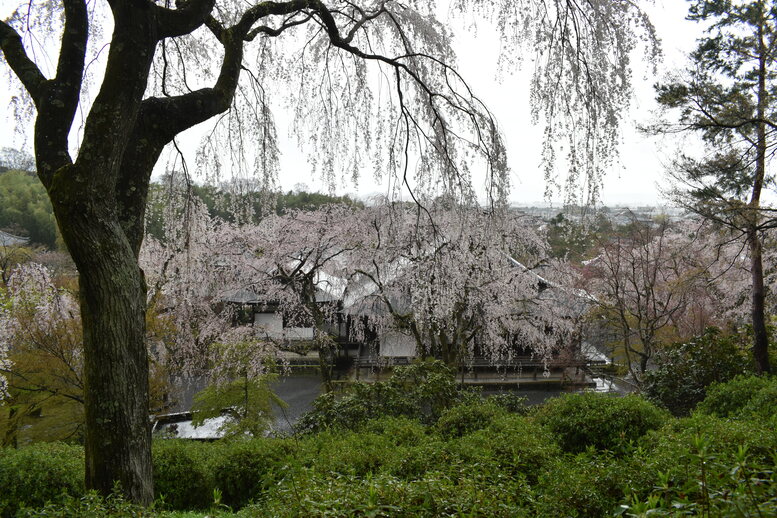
(632, 182)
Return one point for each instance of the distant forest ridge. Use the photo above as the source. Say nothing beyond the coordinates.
(25, 209)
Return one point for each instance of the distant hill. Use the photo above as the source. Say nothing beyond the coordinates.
(15, 159)
(25, 209)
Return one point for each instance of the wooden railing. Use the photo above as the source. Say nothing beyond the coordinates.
(518, 362)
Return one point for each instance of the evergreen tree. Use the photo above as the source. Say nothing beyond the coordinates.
(727, 96)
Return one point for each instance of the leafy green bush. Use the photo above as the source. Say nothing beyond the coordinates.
(511, 444)
(414, 462)
(763, 405)
(663, 448)
(90, 505)
(744, 397)
(598, 420)
(399, 430)
(419, 391)
(682, 454)
(37, 474)
(246, 469)
(685, 370)
(511, 402)
(590, 484)
(707, 466)
(346, 453)
(182, 477)
(465, 418)
(315, 495)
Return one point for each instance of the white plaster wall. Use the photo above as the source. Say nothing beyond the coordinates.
(273, 326)
(299, 333)
(393, 344)
(271, 322)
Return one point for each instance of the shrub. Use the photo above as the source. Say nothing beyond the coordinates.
(89, 506)
(591, 484)
(708, 466)
(399, 430)
(685, 370)
(744, 396)
(512, 444)
(762, 405)
(346, 453)
(672, 453)
(511, 402)
(37, 474)
(420, 391)
(413, 462)
(598, 420)
(465, 418)
(315, 495)
(247, 468)
(182, 478)
(666, 445)
(726, 487)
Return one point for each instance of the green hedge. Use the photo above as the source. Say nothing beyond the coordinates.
(601, 421)
(246, 469)
(37, 474)
(316, 495)
(514, 445)
(704, 465)
(469, 417)
(744, 397)
(589, 484)
(578, 455)
(183, 473)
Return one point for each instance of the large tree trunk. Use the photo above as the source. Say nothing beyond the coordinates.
(760, 334)
(113, 299)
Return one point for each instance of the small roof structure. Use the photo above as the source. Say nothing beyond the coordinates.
(179, 426)
(7, 239)
(243, 296)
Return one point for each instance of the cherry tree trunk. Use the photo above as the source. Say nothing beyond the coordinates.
(113, 298)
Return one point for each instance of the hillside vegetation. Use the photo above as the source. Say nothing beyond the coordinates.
(584, 455)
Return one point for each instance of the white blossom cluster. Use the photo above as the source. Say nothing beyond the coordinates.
(37, 316)
(461, 282)
(464, 283)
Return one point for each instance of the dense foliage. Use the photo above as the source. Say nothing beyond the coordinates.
(420, 391)
(744, 397)
(582, 421)
(474, 460)
(683, 371)
(25, 208)
(224, 203)
(33, 476)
